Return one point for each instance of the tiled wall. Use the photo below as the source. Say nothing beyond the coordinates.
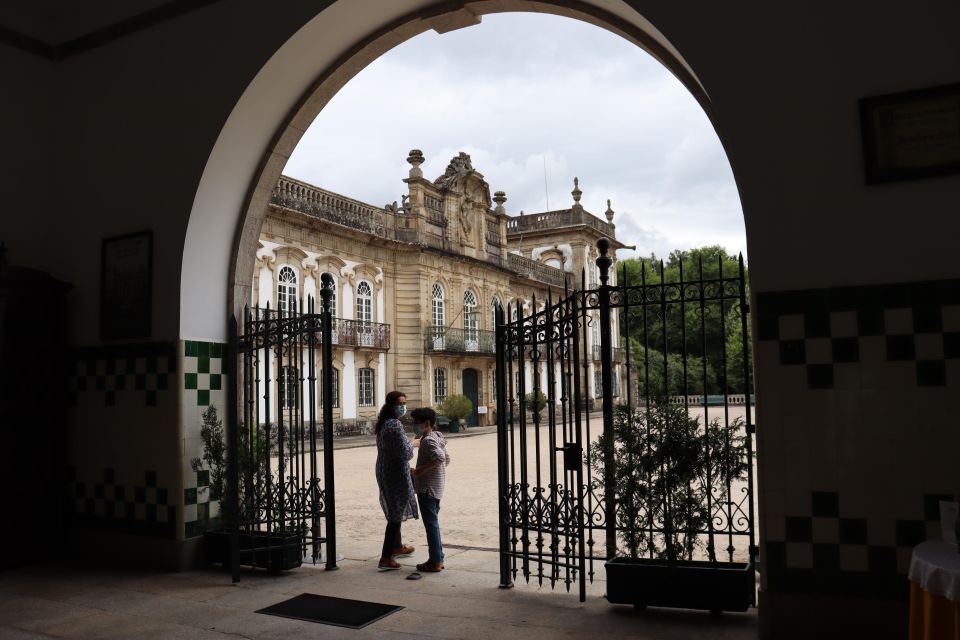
(122, 438)
(143, 508)
(138, 372)
(136, 413)
(204, 385)
(857, 432)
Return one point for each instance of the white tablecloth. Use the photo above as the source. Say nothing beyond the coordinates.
(935, 566)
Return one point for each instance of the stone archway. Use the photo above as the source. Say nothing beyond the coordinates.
(292, 89)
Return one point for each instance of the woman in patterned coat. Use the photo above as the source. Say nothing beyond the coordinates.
(397, 499)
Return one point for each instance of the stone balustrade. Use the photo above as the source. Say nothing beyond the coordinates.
(536, 270)
(733, 399)
(332, 207)
(550, 220)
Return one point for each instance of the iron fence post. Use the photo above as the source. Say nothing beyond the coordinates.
(502, 480)
(604, 261)
(233, 450)
(326, 330)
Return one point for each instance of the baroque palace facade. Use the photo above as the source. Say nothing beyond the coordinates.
(417, 283)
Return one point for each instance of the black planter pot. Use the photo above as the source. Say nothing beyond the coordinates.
(272, 551)
(716, 587)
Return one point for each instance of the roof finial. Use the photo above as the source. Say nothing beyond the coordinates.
(576, 193)
(415, 158)
(609, 212)
(499, 198)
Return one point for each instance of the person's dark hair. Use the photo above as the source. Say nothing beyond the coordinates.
(389, 409)
(424, 414)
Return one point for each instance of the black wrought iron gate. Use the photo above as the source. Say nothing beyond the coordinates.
(278, 510)
(561, 510)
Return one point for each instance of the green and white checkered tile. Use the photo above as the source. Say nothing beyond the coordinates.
(203, 379)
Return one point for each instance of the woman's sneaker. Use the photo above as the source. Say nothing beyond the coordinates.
(430, 567)
(388, 564)
(403, 552)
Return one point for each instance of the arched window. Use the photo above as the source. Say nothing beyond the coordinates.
(494, 305)
(333, 298)
(365, 387)
(288, 387)
(364, 302)
(335, 383)
(335, 378)
(595, 335)
(518, 310)
(438, 314)
(439, 385)
(471, 323)
(287, 290)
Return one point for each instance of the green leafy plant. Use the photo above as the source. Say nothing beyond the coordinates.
(535, 400)
(214, 453)
(456, 407)
(251, 463)
(665, 463)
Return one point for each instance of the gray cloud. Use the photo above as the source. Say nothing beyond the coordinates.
(523, 90)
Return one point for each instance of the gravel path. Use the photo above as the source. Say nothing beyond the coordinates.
(468, 515)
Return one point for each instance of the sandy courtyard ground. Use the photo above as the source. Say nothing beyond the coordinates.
(468, 515)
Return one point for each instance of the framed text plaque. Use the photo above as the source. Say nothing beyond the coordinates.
(126, 278)
(909, 135)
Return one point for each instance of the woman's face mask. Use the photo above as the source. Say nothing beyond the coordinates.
(401, 409)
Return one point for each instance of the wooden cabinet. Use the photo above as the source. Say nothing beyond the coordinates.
(33, 392)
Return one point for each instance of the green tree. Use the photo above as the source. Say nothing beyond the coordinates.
(691, 331)
(666, 467)
(254, 449)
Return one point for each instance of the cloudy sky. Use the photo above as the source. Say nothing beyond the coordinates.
(521, 91)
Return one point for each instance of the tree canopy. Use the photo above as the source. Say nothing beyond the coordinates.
(689, 347)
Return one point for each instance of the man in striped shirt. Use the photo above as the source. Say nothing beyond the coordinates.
(428, 480)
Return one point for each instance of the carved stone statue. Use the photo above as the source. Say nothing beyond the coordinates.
(465, 228)
(458, 164)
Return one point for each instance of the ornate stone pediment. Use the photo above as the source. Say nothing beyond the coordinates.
(459, 165)
(473, 197)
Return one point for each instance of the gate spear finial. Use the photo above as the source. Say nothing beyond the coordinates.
(603, 260)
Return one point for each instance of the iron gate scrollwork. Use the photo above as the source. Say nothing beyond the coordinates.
(559, 520)
(281, 505)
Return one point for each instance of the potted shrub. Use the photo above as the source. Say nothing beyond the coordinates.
(284, 546)
(456, 407)
(664, 464)
(535, 401)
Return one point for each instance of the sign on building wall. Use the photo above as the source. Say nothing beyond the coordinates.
(126, 275)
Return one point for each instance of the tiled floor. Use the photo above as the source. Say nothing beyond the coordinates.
(81, 601)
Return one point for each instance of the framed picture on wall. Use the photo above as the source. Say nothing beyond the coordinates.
(909, 135)
(126, 291)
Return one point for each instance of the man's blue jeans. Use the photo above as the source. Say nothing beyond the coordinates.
(429, 511)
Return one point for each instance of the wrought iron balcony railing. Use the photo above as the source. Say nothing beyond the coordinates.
(445, 339)
(344, 333)
(355, 333)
